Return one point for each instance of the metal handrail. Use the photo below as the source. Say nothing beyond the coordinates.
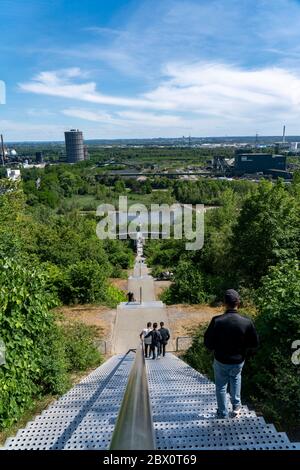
(134, 427)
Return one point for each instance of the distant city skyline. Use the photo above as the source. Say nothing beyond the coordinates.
(148, 69)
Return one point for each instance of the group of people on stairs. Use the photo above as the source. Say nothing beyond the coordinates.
(155, 340)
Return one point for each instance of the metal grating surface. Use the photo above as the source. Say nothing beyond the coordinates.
(184, 408)
(84, 417)
(183, 405)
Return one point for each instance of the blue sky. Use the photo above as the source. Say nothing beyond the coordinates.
(149, 68)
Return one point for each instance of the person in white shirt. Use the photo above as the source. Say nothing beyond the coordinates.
(147, 341)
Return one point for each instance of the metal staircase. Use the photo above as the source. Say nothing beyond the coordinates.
(183, 408)
(83, 418)
(182, 401)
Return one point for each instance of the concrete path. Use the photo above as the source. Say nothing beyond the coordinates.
(132, 318)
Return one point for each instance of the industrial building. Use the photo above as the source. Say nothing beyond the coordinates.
(74, 146)
(251, 164)
(39, 157)
(258, 163)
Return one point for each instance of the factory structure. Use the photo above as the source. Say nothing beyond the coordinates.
(76, 151)
(252, 163)
(266, 163)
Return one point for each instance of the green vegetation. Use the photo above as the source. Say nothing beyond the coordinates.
(39, 352)
(243, 238)
(50, 255)
(48, 258)
(252, 243)
(210, 191)
(270, 379)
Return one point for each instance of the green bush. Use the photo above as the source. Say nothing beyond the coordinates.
(84, 282)
(26, 327)
(39, 353)
(198, 356)
(114, 296)
(54, 364)
(79, 348)
(188, 286)
(271, 379)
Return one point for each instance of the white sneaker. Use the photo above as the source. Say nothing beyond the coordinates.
(236, 411)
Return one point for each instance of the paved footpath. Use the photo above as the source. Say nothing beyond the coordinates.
(132, 317)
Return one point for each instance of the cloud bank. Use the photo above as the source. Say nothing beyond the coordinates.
(188, 96)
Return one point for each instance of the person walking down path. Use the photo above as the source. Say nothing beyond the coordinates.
(130, 297)
(148, 340)
(230, 336)
(155, 341)
(165, 336)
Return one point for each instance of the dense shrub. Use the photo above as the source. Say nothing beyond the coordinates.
(197, 355)
(84, 282)
(26, 327)
(79, 348)
(188, 286)
(271, 379)
(39, 353)
(114, 296)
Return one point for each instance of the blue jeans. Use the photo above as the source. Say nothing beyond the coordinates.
(227, 374)
(154, 349)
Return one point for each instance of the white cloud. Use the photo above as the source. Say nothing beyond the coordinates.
(206, 89)
(127, 118)
(58, 83)
(87, 115)
(222, 90)
(39, 112)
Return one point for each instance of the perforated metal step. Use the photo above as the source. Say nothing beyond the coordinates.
(183, 403)
(184, 408)
(83, 418)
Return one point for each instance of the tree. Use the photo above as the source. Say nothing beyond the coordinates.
(12, 218)
(84, 282)
(188, 286)
(271, 377)
(26, 327)
(267, 232)
(120, 187)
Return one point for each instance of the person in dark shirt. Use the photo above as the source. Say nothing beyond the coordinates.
(165, 336)
(155, 341)
(130, 297)
(230, 336)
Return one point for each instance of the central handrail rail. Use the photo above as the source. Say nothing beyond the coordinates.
(134, 426)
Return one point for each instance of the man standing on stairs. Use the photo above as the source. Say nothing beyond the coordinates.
(148, 340)
(165, 336)
(155, 341)
(230, 336)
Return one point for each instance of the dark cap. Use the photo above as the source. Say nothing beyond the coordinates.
(232, 297)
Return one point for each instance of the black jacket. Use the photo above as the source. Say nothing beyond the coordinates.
(165, 335)
(230, 335)
(156, 337)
